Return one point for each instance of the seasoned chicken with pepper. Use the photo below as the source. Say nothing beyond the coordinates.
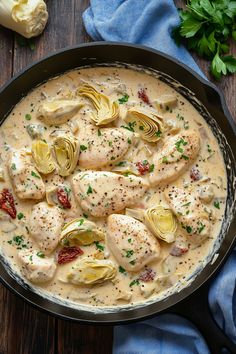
(131, 242)
(102, 193)
(45, 226)
(190, 212)
(175, 157)
(36, 267)
(101, 147)
(26, 180)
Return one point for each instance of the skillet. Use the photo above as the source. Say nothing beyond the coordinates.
(191, 301)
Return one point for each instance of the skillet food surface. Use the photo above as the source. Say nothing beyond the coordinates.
(113, 188)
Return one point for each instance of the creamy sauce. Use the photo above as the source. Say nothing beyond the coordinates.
(117, 83)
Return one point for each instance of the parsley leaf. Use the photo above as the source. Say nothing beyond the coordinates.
(123, 99)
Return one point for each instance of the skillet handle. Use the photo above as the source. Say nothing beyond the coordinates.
(196, 309)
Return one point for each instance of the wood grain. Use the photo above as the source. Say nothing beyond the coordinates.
(24, 330)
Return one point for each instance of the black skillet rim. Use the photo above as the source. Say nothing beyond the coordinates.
(129, 315)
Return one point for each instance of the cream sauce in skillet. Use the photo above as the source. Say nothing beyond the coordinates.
(194, 195)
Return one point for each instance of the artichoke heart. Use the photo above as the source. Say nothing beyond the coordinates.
(58, 111)
(67, 153)
(80, 232)
(147, 123)
(91, 271)
(106, 110)
(41, 153)
(161, 222)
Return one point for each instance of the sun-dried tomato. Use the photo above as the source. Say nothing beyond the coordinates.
(68, 254)
(195, 174)
(63, 198)
(178, 250)
(143, 96)
(7, 202)
(143, 167)
(147, 275)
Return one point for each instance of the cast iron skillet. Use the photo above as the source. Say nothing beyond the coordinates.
(194, 307)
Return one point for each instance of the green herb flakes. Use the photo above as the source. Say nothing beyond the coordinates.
(99, 246)
(134, 282)
(83, 147)
(20, 216)
(89, 190)
(122, 270)
(28, 116)
(123, 99)
(34, 174)
(40, 254)
(217, 204)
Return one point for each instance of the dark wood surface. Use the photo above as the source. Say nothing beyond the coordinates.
(24, 330)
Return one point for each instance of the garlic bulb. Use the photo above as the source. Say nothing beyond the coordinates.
(146, 123)
(81, 232)
(58, 111)
(27, 17)
(106, 110)
(91, 271)
(42, 157)
(67, 153)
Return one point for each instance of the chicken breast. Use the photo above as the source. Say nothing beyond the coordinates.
(175, 157)
(131, 242)
(190, 212)
(26, 180)
(103, 193)
(36, 267)
(101, 147)
(45, 225)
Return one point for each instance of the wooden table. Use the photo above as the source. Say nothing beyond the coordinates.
(24, 330)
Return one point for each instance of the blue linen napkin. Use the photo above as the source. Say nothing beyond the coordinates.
(150, 22)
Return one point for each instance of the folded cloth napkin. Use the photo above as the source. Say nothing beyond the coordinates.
(147, 22)
(150, 22)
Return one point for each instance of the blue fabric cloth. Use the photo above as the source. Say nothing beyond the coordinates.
(150, 22)
(147, 22)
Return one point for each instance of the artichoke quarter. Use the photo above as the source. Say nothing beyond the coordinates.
(58, 111)
(66, 150)
(160, 221)
(146, 122)
(106, 110)
(42, 156)
(88, 271)
(80, 232)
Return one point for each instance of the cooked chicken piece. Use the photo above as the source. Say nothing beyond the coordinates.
(103, 193)
(175, 157)
(131, 242)
(190, 212)
(45, 226)
(26, 180)
(36, 267)
(101, 147)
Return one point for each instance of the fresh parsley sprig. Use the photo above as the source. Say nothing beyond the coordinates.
(206, 27)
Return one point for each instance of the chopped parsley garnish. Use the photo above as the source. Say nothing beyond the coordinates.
(121, 269)
(217, 204)
(89, 190)
(129, 253)
(187, 228)
(31, 258)
(99, 132)
(145, 162)
(13, 166)
(165, 160)
(209, 148)
(18, 241)
(80, 222)
(34, 174)
(129, 240)
(178, 145)
(85, 216)
(134, 282)
(130, 126)
(121, 163)
(20, 216)
(99, 246)
(201, 227)
(113, 158)
(185, 157)
(158, 133)
(83, 147)
(129, 141)
(179, 117)
(187, 204)
(28, 116)
(141, 127)
(110, 143)
(40, 254)
(151, 168)
(123, 99)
